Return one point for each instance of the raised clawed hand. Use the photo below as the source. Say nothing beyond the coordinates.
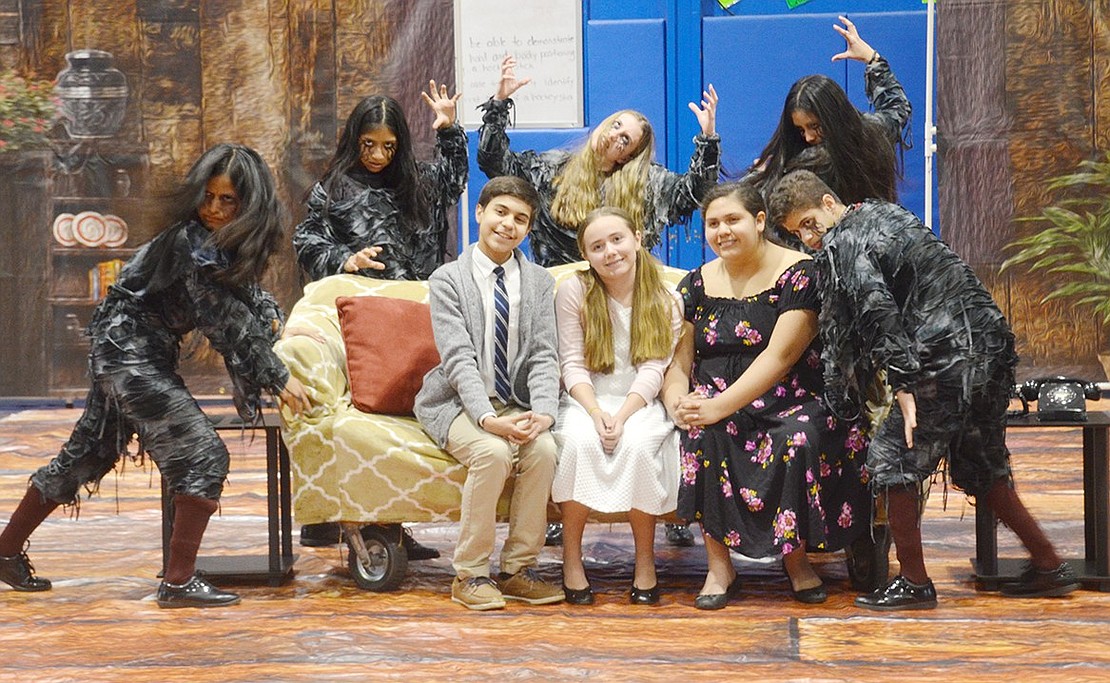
(707, 112)
(509, 83)
(364, 258)
(857, 47)
(443, 106)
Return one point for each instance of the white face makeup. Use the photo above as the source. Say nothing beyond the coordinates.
(617, 144)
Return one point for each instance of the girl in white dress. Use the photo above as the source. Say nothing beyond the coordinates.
(618, 451)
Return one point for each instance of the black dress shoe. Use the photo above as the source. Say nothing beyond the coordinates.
(18, 572)
(416, 551)
(320, 535)
(554, 535)
(581, 596)
(196, 592)
(679, 535)
(810, 596)
(1038, 583)
(644, 596)
(900, 594)
(719, 600)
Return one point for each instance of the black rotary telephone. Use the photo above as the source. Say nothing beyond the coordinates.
(1059, 398)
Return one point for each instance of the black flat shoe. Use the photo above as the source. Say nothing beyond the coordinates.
(679, 535)
(1037, 583)
(719, 600)
(196, 592)
(644, 596)
(581, 596)
(320, 535)
(416, 551)
(900, 594)
(810, 596)
(18, 572)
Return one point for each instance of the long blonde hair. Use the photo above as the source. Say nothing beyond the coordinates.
(652, 337)
(578, 187)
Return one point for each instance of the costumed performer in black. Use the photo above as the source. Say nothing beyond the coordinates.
(201, 273)
(896, 298)
(381, 213)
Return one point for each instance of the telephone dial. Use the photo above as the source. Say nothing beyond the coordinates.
(1059, 398)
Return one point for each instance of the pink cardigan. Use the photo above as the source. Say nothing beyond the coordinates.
(572, 362)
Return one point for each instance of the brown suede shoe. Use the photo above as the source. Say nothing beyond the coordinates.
(527, 586)
(477, 593)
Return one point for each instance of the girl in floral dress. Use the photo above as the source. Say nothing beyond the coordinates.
(766, 469)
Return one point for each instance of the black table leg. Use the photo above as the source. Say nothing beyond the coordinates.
(1096, 499)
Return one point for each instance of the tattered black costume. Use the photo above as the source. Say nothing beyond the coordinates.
(669, 198)
(164, 291)
(888, 99)
(360, 213)
(895, 297)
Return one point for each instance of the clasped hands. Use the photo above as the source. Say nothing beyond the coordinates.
(609, 429)
(519, 429)
(695, 409)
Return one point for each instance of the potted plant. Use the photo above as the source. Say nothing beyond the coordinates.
(1075, 243)
(28, 110)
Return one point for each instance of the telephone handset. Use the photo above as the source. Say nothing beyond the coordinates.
(1059, 398)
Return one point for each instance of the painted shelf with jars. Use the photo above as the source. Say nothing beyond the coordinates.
(98, 221)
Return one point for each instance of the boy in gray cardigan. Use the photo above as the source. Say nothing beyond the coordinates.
(492, 400)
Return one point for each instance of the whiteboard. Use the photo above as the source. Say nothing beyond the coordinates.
(545, 36)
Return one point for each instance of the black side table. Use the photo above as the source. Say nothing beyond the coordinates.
(277, 566)
(1094, 569)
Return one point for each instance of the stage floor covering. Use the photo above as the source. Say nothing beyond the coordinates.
(100, 622)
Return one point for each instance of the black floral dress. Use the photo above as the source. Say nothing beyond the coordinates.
(781, 470)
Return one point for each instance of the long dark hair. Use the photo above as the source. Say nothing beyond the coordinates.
(255, 232)
(863, 160)
(401, 175)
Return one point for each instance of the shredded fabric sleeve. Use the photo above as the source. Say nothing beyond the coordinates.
(892, 107)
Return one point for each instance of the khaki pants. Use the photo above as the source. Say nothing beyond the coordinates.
(489, 461)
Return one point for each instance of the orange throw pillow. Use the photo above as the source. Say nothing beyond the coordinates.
(390, 347)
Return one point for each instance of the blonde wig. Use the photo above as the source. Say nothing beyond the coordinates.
(652, 337)
(580, 184)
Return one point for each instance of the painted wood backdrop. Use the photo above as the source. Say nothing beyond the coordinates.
(1023, 95)
(277, 75)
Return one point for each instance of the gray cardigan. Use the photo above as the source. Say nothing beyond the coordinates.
(458, 322)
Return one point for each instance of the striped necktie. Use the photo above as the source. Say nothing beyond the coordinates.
(501, 337)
